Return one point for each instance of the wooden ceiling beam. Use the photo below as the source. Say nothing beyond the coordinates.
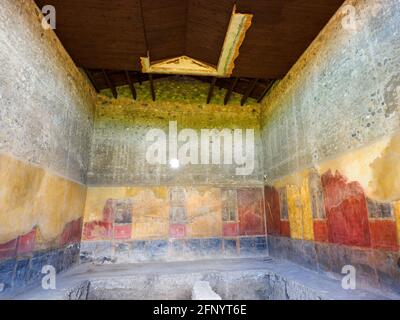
(232, 86)
(139, 77)
(211, 90)
(131, 85)
(153, 93)
(249, 91)
(90, 77)
(221, 83)
(267, 88)
(110, 84)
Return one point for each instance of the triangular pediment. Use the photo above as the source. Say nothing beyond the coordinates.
(180, 65)
(184, 63)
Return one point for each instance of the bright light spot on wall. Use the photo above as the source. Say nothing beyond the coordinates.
(174, 163)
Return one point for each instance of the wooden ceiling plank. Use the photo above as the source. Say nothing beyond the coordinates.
(110, 84)
(146, 41)
(186, 24)
(207, 24)
(114, 38)
(211, 90)
(234, 82)
(131, 85)
(165, 24)
(249, 90)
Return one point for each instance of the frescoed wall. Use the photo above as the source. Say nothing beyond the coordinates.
(137, 224)
(331, 143)
(138, 211)
(46, 118)
(332, 215)
(340, 203)
(40, 223)
(324, 191)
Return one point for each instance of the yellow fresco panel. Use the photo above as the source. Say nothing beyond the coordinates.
(96, 200)
(31, 197)
(295, 212)
(150, 217)
(204, 212)
(308, 224)
(397, 216)
(18, 188)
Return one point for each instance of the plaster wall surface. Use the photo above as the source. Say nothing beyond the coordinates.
(118, 154)
(47, 104)
(330, 132)
(342, 94)
(46, 122)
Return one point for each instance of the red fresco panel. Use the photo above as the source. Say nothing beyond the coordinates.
(9, 249)
(26, 243)
(272, 210)
(250, 207)
(346, 210)
(122, 231)
(97, 230)
(76, 233)
(177, 231)
(66, 234)
(72, 232)
(285, 228)
(383, 234)
(230, 229)
(320, 231)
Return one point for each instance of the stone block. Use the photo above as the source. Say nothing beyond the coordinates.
(203, 291)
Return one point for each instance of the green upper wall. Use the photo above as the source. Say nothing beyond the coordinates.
(180, 89)
(178, 99)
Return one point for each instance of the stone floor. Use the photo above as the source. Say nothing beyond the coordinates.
(257, 279)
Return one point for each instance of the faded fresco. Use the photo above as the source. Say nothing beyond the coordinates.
(38, 210)
(348, 208)
(40, 223)
(346, 201)
(75, 184)
(181, 222)
(331, 147)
